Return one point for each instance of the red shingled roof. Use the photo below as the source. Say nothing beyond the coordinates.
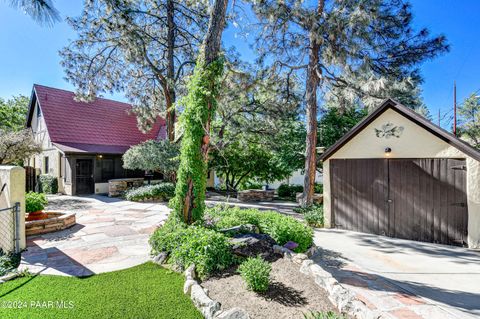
(102, 126)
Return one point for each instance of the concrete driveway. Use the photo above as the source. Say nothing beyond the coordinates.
(405, 279)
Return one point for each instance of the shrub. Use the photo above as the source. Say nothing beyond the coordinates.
(323, 315)
(256, 274)
(279, 227)
(207, 249)
(313, 215)
(8, 262)
(161, 191)
(48, 184)
(35, 202)
(290, 191)
(318, 188)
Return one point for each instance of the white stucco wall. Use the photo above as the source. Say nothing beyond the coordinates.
(415, 142)
(14, 179)
(40, 133)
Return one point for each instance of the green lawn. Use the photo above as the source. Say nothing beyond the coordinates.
(141, 292)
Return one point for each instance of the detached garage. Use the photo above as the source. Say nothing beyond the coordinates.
(399, 175)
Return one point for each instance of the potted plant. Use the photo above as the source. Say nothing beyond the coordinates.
(34, 205)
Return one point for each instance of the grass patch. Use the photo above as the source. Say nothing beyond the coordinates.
(145, 291)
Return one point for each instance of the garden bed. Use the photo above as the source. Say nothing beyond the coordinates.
(291, 294)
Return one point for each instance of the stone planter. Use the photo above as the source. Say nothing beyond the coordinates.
(56, 221)
(255, 195)
(317, 198)
(116, 187)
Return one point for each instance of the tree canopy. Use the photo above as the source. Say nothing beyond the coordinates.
(13, 113)
(143, 49)
(17, 146)
(469, 120)
(157, 156)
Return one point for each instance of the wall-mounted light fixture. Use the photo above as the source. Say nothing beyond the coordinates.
(388, 151)
(100, 156)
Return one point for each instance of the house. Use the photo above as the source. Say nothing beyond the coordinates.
(397, 174)
(83, 143)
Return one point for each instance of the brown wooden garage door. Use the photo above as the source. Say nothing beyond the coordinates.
(419, 199)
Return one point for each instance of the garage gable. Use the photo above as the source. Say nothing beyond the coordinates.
(403, 131)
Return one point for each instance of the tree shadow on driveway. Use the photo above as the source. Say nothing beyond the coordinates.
(404, 291)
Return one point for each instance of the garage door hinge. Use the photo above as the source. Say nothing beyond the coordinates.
(458, 204)
(460, 167)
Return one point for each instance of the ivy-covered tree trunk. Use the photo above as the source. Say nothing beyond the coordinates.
(200, 104)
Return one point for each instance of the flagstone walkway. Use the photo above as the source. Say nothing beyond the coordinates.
(110, 234)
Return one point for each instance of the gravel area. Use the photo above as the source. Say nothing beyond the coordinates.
(291, 294)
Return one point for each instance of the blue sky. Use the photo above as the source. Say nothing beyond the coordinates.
(29, 53)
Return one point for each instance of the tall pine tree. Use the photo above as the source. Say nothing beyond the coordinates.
(347, 50)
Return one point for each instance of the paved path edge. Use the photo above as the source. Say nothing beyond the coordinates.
(341, 297)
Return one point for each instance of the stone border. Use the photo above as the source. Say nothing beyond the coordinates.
(9, 276)
(58, 221)
(342, 298)
(209, 308)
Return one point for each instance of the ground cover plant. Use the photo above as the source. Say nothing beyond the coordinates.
(313, 215)
(161, 192)
(145, 291)
(8, 262)
(256, 274)
(206, 248)
(281, 228)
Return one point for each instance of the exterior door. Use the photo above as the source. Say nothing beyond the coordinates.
(84, 176)
(418, 199)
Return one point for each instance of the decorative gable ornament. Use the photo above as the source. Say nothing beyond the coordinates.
(389, 130)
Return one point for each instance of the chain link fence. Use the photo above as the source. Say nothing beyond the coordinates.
(9, 232)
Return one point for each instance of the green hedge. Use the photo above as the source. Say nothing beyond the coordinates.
(48, 184)
(286, 190)
(280, 227)
(290, 191)
(161, 191)
(207, 249)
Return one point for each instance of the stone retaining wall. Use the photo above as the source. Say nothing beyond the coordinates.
(116, 187)
(255, 195)
(55, 222)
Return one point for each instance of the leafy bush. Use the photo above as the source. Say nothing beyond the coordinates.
(256, 274)
(318, 188)
(323, 315)
(35, 202)
(290, 191)
(48, 184)
(279, 227)
(313, 215)
(161, 191)
(249, 185)
(207, 249)
(8, 262)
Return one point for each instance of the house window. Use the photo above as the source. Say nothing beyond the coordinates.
(46, 164)
(108, 169)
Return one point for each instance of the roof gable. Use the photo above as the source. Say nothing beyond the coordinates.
(102, 122)
(410, 115)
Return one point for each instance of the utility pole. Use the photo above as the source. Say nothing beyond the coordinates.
(454, 108)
